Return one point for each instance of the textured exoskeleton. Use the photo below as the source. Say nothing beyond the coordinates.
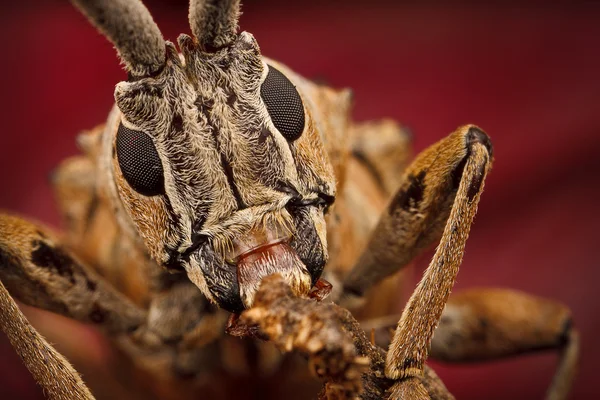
(223, 194)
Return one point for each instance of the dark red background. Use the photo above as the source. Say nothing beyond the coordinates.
(527, 74)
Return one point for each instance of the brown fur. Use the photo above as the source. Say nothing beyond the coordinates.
(408, 351)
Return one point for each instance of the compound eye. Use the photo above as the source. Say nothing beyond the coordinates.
(139, 162)
(283, 104)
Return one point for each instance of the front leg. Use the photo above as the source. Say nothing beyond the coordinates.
(438, 198)
(409, 348)
(49, 368)
(418, 212)
(41, 273)
(36, 270)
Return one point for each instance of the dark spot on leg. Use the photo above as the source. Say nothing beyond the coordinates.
(52, 258)
(483, 323)
(410, 195)
(91, 285)
(21, 286)
(565, 332)
(457, 172)
(454, 339)
(409, 363)
(362, 158)
(476, 135)
(475, 186)
(98, 314)
(7, 260)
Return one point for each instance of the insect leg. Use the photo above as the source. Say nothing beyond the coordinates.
(417, 214)
(383, 148)
(487, 324)
(442, 189)
(38, 271)
(49, 368)
(33, 284)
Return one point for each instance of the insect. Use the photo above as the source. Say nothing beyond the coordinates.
(218, 168)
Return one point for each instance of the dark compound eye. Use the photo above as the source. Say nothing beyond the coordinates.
(283, 104)
(139, 162)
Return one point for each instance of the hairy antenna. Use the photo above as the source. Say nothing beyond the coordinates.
(214, 22)
(130, 27)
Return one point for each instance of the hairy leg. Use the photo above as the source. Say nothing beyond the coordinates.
(49, 368)
(480, 325)
(92, 231)
(438, 197)
(383, 148)
(408, 350)
(380, 154)
(488, 324)
(417, 214)
(36, 270)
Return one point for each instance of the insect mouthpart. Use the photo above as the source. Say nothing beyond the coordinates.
(256, 241)
(265, 251)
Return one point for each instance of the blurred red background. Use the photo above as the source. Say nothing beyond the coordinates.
(528, 74)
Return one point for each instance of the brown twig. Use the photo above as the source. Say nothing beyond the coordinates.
(338, 349)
